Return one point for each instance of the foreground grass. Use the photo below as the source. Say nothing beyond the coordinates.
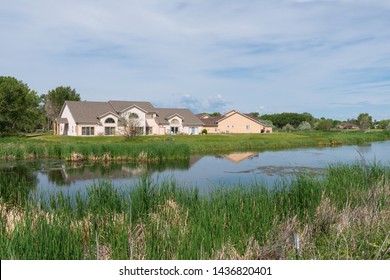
(343, 215)
(165, 148)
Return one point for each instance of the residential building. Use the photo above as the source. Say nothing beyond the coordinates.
(234, 122)
(87, 118)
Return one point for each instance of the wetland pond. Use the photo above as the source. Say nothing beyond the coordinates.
(203, 172)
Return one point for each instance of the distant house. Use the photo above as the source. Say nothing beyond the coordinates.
(234, 122)
(347, 125)
(87, 118)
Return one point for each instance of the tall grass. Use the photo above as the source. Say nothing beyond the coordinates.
(136, 152)
(165, 148)
(343, 215)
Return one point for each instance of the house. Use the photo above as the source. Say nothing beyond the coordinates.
(210, 123)
(234, 122)
(84, 118)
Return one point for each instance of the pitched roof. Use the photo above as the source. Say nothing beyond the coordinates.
(211, 121)
(88, 111)
(248, 116)
(122, 105)
(163, 114)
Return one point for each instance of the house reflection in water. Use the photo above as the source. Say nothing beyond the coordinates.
(67, 173)
(238, 157)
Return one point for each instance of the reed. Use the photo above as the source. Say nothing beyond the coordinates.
(135, 152)
(168, 148)
(344, 214)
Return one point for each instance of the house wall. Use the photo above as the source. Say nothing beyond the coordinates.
(210, 130)
(141, 117)
(71, 125)
(237, 123)
(100, 129)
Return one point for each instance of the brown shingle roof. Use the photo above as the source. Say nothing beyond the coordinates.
(88, 111)
(188, 117)
(211, 121)
(121, 105)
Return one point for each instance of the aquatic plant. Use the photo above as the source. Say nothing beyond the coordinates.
(343, 214)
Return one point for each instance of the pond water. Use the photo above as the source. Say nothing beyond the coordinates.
(200, 171)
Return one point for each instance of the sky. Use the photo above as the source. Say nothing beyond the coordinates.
(330, 58)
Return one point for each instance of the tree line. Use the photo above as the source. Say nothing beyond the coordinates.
(23, 110)
(306, 121)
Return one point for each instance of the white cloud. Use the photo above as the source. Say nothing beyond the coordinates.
(285, 55)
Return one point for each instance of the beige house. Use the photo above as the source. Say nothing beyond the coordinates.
(234, 122)
(87, 118)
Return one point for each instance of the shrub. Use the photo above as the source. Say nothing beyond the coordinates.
(288, 127)
(304, 126)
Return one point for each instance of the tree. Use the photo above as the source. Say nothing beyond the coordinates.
(364, 121)
(282, 119)
(55, 99)
(383, 124)
(324, 124)
(131, 125)
(304, 126)
(19, 106)
(288, 127)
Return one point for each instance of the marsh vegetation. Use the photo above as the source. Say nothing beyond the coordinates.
(342, 215)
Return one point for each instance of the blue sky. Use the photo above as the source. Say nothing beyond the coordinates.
(330, 58)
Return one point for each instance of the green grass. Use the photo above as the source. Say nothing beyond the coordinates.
(165, 148)
(342, 215)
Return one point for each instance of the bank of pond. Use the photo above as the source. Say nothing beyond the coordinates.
(342, 214)
(170, 148)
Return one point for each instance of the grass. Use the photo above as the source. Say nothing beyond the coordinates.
(170, 148)
(342, 215)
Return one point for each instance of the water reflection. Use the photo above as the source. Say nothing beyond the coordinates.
(199, 171)
(66, 174)
(239, 157)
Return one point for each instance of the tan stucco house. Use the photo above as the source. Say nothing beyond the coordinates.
(234, 122)
(88, 118)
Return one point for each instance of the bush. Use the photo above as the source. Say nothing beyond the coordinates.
(304, 126)
(204, 131)
(288, 127)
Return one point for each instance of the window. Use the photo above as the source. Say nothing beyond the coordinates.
(175, 122)
(88, 130)
(133, 116)
(109, 131)
(248, 127)
(109, 120)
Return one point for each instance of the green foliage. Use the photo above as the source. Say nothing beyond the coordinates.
(19, 106)
(55, 99)
(344, 214)
(364, 120)
(384, 124)
(294, 119)
(204, 131)
(324, 124)
(304, 126)
(288, 127)
(179, 146)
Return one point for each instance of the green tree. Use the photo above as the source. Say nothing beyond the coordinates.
(55, 99)
(288, 127)
(304, 126)
(364, 121)
(282, 119)
(19, 106)
(324, 124)
(383, 124)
